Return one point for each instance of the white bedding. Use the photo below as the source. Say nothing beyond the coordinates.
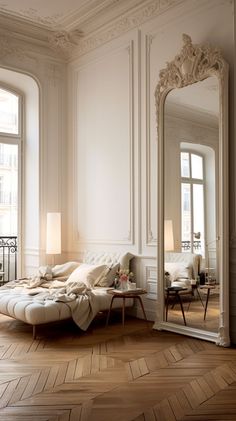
(44, 299)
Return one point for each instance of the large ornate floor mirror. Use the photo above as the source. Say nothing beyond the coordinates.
(192, 120)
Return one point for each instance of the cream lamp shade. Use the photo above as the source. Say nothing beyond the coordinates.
(168, 235)
(53, 234)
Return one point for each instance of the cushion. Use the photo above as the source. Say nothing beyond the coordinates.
(125, 261)
(65, 269)
(191, 260)
(181, 282)
(177, 270)
(106, 279)
(87, 273)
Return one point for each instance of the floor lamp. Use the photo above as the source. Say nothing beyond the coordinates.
(53, 234)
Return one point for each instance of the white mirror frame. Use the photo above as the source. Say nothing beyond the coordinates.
(193, 64)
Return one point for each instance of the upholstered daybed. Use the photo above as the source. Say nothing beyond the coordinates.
(73, 290)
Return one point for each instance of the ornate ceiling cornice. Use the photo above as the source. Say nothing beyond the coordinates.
(126, 22)
(69, 44)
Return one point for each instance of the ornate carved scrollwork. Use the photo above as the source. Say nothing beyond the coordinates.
(64, 41)
(193, 64)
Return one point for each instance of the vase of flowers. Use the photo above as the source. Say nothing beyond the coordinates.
(125, 277)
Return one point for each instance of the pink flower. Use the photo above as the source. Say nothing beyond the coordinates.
(124, 277)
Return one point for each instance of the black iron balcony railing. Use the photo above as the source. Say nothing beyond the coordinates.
(8, 258)
(186, 245)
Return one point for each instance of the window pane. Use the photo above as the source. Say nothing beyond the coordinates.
(186, 216)
(197, 167)
(198, 218)
(9, 104)
(8, 189)
(185, 164)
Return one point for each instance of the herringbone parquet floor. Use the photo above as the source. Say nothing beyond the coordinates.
(112, 374)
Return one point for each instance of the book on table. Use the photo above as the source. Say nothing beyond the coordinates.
(127, 291)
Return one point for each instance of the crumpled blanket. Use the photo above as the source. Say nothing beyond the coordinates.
(81, 300)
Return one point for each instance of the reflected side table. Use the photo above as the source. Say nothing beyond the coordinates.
(208, 288)
(174, 291)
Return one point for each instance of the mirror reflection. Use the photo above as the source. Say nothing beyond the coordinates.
(191, 155)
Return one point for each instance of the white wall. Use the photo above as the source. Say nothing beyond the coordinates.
(112, 114)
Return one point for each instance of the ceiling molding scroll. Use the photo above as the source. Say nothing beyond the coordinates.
(64, 42)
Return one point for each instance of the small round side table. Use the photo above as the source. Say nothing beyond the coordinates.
(123, 295)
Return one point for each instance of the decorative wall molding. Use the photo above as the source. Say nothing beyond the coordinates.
(129, 238)
(151, 239)
(151, 281)
(53, 73)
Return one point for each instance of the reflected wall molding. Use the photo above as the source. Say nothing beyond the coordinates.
(151, 239)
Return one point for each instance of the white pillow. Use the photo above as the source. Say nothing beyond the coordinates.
(87, 273)
(106, 279)
(65, 269)
(184, 283)
(125, 261)
(177, 270)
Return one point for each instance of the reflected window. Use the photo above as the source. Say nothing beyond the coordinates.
(192, 202)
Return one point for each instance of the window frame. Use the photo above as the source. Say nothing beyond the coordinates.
(20, 111)
(17, 139)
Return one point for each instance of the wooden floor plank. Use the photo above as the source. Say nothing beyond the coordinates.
(114, 373)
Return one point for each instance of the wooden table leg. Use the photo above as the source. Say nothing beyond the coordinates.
(182, 309)
(206, 304)
(141, 304)
(109, 311)
(123, 312)
(200, 297)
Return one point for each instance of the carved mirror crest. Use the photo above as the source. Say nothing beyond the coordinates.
(192, 122)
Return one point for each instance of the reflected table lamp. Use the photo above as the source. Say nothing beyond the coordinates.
(53, 234)
(168, 244)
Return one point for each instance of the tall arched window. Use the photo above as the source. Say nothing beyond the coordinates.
(192, 202)
(10, 141)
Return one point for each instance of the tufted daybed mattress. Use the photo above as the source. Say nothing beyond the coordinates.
(31, 307)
